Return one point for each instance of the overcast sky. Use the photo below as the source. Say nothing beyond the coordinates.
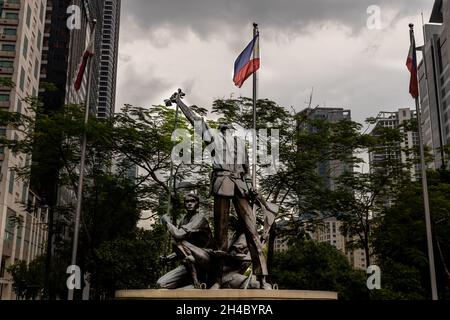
(325, 44)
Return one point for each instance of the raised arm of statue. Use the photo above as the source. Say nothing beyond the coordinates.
(199, 124)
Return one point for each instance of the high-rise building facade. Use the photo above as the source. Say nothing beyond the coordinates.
(22, 218)
(108, 59)
(330, 229)
(61, 58)
(404, 151)
(104, 64)
(434, 83)
(91, 10)
(330, 232)
(329, 170)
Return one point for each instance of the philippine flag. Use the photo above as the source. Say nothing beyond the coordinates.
(88, 53)
(411, 63)
(247, 63)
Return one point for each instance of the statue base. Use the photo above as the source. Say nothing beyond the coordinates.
(224, 294)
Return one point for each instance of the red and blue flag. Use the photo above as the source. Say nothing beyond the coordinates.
(411, 63)
(247, 63)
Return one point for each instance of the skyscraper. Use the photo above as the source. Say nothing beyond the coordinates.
(21, 44)
(396, 120)
(329, 230)
(331, 169)
(104, 63)
(108, 59)
(434, 83)
(61, 58)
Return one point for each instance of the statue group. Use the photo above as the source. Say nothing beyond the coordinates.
(221, 261)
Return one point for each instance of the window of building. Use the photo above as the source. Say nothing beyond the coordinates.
(22, 79)
(10, 31)
(25, 47)
(12, 177)
(41, 13)
(6, 64)
(36, 69)
(4, 97)
(8, 47)
(19, 238)
(9, 230)
(25, 193)
(19, 106)
(29, 16)
(12, 16)
(39, 40)
(3, 265)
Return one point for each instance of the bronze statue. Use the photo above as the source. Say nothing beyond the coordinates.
(191, 238)
(230, 182)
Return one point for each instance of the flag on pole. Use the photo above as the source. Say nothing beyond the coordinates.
(411, 63)
(247, 63)
(88, 53)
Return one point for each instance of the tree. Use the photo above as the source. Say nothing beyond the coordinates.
(129, 263)
(400, 241)
(308, 265)
(112, 203)
(28, 280)
(361, 197)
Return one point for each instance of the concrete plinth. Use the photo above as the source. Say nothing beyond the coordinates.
(224, 294)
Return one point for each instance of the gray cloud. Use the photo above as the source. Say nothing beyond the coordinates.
(192, 44)
(138, 87)
(206, 17)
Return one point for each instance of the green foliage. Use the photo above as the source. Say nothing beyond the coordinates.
(308, 265)
(400, 241)
(129, 263)
(117, 255)
(28, 280)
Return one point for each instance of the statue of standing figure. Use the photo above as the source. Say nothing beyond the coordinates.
(230, 183)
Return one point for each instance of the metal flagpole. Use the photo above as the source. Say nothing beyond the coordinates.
(255, 94)
(255, 146)
(425, 184)
(76, 231)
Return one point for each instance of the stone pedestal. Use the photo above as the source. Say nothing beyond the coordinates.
(224, 294)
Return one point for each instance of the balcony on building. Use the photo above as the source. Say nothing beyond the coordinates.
(5, 104)
(9, 22)
(6, 70)
(12, 5)
(7, 54)
(8, 37)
